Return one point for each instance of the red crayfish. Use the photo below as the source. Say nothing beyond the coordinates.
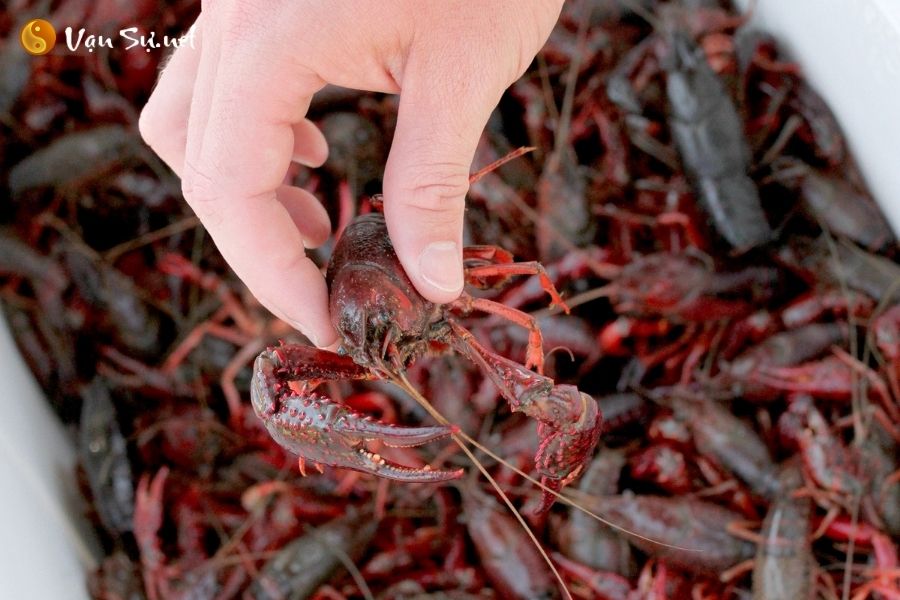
(384, 325)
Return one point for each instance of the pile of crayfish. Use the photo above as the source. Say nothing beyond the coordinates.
(674, 371)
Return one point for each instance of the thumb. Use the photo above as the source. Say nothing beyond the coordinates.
(426, 178)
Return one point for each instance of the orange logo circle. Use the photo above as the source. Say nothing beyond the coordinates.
(38, 37)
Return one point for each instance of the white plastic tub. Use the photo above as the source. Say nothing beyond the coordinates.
(44, 547)
(850, 50)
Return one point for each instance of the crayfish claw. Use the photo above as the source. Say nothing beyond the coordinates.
(567, 446)
(323, 432)
(400, 437)
(371, 462)
(550, 488)
(569, 421)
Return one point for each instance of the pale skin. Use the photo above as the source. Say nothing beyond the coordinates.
(229, 116)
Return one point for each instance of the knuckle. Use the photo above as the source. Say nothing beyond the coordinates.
(519, 67)
(199, 189)
(241, 22)
(440, 189)
(287, 260)
(533, 31)
(152, 124)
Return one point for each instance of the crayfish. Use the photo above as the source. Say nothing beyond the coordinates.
(384, 325)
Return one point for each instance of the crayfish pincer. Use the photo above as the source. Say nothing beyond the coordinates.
(385, 324)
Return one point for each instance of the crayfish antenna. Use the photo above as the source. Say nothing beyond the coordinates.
(521, 151)
(400, 379)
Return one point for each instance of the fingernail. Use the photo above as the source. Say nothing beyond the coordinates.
(303, 329)
(440, 264)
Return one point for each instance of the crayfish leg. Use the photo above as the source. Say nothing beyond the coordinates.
(496, 275)
(534, 356)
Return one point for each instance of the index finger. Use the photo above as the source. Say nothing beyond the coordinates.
(239, 146)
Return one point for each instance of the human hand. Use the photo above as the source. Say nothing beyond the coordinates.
(228, 116)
